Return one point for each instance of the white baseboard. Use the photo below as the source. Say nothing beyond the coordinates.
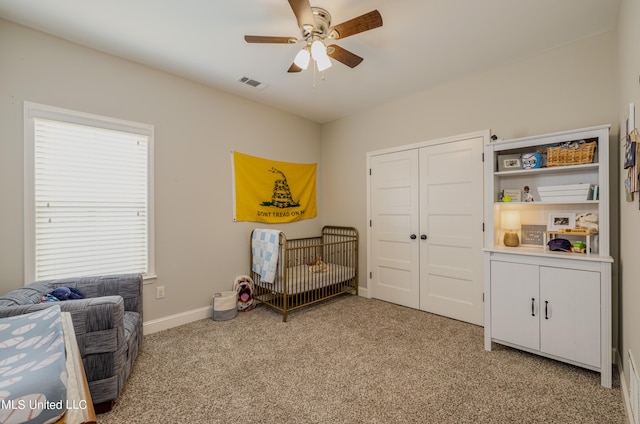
(362, 291)
(624, 387)
(183, 318)
(176, 320)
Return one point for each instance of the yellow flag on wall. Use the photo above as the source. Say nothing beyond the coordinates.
(272, 191)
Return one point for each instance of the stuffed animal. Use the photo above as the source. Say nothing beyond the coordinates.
(587, 220)
(67, 293)
(49, 298)
(317, 265)
(243, 286)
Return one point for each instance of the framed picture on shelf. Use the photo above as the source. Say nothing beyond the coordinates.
(509, 162)
(561, 220)
(514, 195)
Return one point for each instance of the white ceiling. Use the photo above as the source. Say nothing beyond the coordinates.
(422, 43)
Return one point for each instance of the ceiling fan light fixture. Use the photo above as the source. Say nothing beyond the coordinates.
(318, 50)
(319, 54)
(302, 58)
(323, 63)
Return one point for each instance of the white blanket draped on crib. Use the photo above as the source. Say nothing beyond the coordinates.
(264, 247)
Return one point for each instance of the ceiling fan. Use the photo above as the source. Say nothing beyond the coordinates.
(317, 32)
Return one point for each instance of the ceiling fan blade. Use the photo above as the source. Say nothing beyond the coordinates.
(357, 25)
(304, 15)
(342, 55)
(267, 39)
(294, 68)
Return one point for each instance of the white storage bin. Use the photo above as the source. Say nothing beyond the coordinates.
(225, 305)
(564, 193)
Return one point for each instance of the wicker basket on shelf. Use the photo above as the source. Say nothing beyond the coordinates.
(562, 156)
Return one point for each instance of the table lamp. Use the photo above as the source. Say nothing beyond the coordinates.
(511, 224)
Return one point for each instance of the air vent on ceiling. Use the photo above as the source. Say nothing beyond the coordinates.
(252, 83)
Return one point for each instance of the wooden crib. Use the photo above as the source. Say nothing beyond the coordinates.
(299, 281)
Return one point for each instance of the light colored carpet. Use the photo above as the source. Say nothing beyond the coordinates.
(352, 360)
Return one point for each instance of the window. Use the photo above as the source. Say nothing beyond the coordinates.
(88, 195)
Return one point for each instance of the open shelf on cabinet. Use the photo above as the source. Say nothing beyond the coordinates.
(540, 251)
(549, 170)
(536, 203)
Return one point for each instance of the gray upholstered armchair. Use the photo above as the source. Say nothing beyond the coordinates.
(107, 323)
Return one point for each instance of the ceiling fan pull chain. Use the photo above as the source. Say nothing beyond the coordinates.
(314, 76)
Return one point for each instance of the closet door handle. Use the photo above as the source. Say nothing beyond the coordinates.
(423, 236)
(413, 237)
(546, 309)
(533, 307)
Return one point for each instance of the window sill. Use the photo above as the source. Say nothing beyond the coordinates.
(148, 279)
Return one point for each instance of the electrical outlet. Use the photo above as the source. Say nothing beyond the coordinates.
(160, 292)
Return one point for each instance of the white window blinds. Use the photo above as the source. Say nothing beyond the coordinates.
(90, 200)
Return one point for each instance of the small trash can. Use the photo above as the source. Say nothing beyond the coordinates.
(225, 305)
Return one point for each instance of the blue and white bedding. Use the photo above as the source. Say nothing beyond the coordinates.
(33, 376)
(264, 248)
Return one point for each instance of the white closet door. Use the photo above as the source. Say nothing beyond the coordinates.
(394, 212)
(451, 218)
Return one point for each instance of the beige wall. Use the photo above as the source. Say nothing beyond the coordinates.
(199, 250)
(570, 87)
(629, 92)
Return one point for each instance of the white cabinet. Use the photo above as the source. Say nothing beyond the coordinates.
(555, 311)
(555, 304)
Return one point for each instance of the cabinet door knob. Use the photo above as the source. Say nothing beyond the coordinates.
(423, 236)
(533, 307)
(413, 237)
